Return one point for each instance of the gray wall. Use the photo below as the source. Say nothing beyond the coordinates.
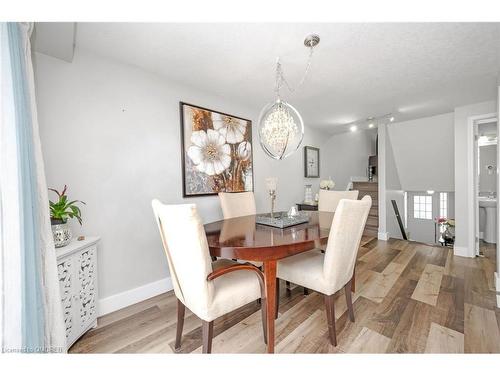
(393, 182)
(424, 153)
(111, 132)
(346, 154)
(487, 156)
(419, 157)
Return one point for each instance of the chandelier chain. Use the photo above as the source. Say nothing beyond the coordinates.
(282, 81)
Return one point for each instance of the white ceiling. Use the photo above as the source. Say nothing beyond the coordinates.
(359, 70)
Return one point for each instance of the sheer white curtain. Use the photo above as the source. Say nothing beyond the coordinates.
(31, 313)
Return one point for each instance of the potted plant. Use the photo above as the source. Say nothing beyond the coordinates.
(60, 211)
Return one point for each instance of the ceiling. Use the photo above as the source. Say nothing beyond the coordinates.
(359, 70)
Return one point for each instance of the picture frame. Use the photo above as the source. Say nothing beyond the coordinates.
(216, 152)
(311, 162)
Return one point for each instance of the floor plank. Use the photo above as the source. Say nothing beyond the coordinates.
(428, 286)
(369, 341)
(481, 330)
(444, 340)
(410, 298)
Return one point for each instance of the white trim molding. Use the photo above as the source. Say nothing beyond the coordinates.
(497, 287)
(472, 204)
(383, 236)
(132, 296)
(462, 251)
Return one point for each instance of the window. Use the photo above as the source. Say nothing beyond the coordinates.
(422, 207)
(443, 204)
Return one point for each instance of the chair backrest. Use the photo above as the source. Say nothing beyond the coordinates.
(329, 199)
(186, 247)
(343, 242)
(237, 204)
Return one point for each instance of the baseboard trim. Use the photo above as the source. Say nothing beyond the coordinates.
(383, 236)
(497, 287)
(132, 296)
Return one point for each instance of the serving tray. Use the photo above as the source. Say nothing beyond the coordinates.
(281, 220)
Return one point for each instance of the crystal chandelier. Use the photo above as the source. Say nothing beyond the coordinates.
(281, 128)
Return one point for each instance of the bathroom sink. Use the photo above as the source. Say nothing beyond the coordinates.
(487, 202)
(489, 205)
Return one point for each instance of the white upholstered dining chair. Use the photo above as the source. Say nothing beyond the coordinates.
(333, 270)
(329, 199)
(209, 289)
(237, 204)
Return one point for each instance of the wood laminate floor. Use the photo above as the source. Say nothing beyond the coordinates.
(410, 298)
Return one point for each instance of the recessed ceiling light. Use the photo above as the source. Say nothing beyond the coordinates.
(353, 128)
(391, 119)
(371, 125)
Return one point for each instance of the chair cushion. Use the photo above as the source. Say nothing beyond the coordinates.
(305, 269)
(232, 290)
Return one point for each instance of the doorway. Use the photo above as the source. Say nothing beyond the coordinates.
(486, 183)
(483, 156)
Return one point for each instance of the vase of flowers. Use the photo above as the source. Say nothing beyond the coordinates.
(60, 211)
(327, 184)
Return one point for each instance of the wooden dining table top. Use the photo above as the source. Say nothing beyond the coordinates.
(243, 238)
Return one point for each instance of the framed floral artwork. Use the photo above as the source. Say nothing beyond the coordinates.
(216, 152)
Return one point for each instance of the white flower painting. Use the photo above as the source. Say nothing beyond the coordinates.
(217, 152)
(209, 152)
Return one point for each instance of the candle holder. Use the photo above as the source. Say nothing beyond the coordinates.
(271, 183)
(272, 195)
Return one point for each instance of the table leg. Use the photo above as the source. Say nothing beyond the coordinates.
(270, 279)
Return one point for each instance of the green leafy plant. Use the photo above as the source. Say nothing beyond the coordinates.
(62, 209)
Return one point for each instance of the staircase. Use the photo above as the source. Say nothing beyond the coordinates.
(371, 189)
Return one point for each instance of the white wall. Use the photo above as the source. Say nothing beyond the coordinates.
(346, 154)
(111, 132)
(424, 153)
(393, 191)
(462, 196)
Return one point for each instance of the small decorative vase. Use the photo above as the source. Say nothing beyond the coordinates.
(308, 194)
(61, 233)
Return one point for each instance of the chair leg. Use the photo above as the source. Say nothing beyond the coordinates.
(348, 299)
(277, 305)
(306, 291)
(288, 289)
(264, 318)
(181, 309)
(353, 280)
(207, 329)
(330, 317)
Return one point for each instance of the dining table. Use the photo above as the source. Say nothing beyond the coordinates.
(242, 238)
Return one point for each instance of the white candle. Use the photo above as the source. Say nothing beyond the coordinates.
(271, 183)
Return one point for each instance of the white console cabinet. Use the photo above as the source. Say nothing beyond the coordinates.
(77, 270)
